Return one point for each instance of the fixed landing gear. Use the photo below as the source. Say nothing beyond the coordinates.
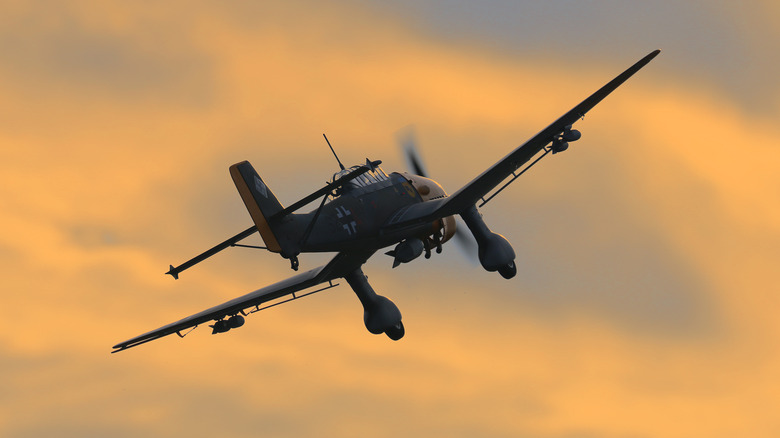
(396, 332)
(380, 315)
(508, 271)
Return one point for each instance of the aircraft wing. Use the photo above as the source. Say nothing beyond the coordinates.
(480, 186)
(339, 266)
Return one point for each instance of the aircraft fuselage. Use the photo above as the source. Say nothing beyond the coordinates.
(356, 217)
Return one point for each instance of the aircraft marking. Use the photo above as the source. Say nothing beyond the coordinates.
(351, 228)
(342, 212)
(260, 186)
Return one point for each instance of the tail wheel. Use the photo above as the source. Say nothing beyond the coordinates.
(396, 332)
(508, 271)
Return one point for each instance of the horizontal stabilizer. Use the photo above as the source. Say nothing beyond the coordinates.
(175, 271)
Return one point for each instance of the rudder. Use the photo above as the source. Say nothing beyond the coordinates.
(259, 201)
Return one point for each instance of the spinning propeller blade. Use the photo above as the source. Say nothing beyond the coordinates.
(408, 142)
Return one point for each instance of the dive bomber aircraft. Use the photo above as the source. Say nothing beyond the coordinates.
(364, 209)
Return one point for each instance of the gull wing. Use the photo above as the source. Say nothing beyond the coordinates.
(480, 186)
(339, 266)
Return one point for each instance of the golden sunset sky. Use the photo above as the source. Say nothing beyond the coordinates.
(646, 298)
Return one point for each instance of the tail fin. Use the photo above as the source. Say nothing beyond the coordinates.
(259, 200)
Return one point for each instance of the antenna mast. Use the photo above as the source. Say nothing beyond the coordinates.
(334, 152)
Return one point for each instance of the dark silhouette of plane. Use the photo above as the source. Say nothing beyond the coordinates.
(364, 209)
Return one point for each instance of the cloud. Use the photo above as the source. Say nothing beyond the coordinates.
(75, 51)
(648, 252)
(722, 45)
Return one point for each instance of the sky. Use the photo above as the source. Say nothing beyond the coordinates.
(646, 294)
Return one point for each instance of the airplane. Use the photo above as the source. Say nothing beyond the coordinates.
(363, 209)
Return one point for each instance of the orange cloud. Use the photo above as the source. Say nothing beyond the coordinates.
(645, 305)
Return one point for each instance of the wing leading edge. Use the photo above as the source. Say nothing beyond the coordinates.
(338, 266)
(480, 186)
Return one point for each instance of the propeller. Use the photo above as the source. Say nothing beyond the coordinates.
(408, 142)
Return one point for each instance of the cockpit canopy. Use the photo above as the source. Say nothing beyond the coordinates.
(371, 177)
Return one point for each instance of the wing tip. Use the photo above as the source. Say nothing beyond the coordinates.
(120, 347)
(645, 60)
(651, 55)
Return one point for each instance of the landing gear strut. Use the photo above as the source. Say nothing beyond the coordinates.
(495, 252)
(380, 315)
